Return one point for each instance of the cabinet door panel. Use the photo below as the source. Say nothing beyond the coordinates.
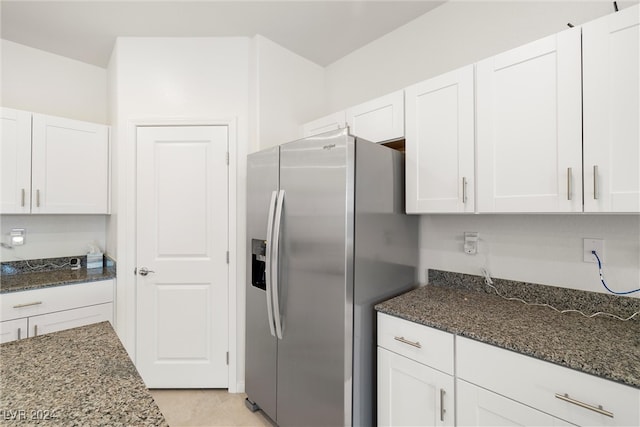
(611, 58)
(12, 330)
(15, 162)
(324, 124)
(476, 406)
(61, 320)
(70, 166)
(440, 143)
(412, 394)
(529, 127)
(378, 120)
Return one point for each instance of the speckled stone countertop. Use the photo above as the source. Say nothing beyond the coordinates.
(78, 377)
(22, 279)
(600, 346)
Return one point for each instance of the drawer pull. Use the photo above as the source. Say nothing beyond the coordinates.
(415, 344)
(442, 410)
(597, 409)
(28, 304)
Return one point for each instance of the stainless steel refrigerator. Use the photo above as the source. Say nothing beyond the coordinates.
(327, 239)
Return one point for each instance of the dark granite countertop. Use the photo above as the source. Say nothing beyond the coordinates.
(77, 377)
(601, 346)
(26, 280)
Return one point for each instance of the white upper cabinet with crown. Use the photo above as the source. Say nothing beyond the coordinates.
(440, 144)
(611, 84)
(529, 141)
(52, 165)
(378, 120)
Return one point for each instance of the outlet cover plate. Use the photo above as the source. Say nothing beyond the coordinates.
(593, 245)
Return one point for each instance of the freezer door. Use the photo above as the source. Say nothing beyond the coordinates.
(316, 286)
(261, 345)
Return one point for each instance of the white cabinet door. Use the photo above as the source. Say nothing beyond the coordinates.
(476, 406)
(412, 394)
(440, 144)
(324, 124)
(611, 59)
(61, 320)
(378, 120)
(15, 162)
(70, 172)
(12, 330)
(529, 139)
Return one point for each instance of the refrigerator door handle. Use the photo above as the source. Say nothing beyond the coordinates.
(275, 264)
(268, 261)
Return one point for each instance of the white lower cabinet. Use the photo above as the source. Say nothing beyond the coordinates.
(40, 311)
(415, 374)
(53, 322)
(12, 330)
(493, 386)
(412, 394)
(480, 407)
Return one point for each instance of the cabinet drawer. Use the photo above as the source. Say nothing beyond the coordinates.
(67, 319)
(420, 343)
(546, 386)
(40, 301)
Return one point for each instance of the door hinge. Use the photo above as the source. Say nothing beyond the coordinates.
(227, 358)
(227, 257)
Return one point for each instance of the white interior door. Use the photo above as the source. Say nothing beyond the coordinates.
(182, 239)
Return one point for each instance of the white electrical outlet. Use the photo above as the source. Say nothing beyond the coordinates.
(470, 242)
(593, 245)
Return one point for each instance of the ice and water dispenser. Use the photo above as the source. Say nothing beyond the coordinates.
(258, 263)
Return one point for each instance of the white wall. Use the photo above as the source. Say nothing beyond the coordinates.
(46, 83)
(545, 249)
(39, 81)
(184, 79)
(452, 35)
(287, 90)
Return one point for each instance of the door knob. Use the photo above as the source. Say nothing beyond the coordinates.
(143, 271)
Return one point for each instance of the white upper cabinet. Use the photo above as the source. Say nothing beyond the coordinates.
(378, 120)
(15, 162)
(611, 110)
(529, 139)
(440, 144)
(70, 166)
(324, 124)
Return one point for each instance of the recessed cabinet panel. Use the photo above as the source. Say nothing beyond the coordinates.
(611, 78)
(12, 330)
(70, 166)
(440, 144)
(378, 120)
(529, 138)
(412, 394)
(324, 124)
(15, 162)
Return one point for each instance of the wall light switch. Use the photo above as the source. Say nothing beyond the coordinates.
(18, 236)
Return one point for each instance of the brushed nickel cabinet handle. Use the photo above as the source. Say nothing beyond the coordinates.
(597, 409)
(595, 183)
(442, 410)
(22, 196)
(19, 333)
(464, 189)
(569, 184)
(28, 304)
(403, 340)
(37, 198)
(35, 331)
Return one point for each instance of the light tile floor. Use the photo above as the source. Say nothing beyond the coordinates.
(207, 407)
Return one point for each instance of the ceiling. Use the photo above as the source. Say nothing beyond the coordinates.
(321, 31)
